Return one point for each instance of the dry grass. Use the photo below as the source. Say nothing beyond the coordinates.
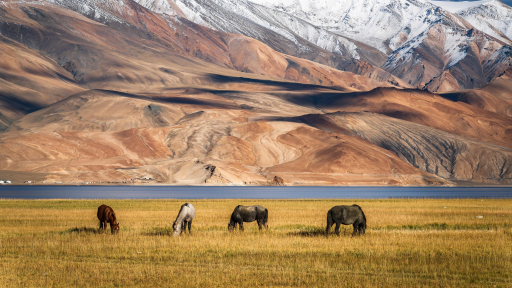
(408, 243)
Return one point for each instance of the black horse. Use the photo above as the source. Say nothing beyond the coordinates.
(243, 214)
(346, 215)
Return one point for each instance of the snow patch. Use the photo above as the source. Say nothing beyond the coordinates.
(455, 7)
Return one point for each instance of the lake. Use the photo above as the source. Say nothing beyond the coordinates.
(241, 192)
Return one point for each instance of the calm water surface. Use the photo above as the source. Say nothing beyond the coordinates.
(233, 192)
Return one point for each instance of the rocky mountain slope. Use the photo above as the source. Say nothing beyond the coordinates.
(417, 41)
(492, 17)
(434, 151)
(287, 34)
(68, 49)
(112, 90)
(494, 97)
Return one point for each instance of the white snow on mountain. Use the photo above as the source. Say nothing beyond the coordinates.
(232, 16)
(381, 23)
(372, 22)
(455, 45)
(412, 33)
(399, 27)
(455, 7)
(158, 6)
(491, 17)
(99, 10)
(331, 24)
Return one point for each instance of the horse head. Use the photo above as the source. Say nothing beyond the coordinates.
(115, 228)
(176, 228)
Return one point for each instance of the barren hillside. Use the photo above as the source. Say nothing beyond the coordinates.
(127, 93)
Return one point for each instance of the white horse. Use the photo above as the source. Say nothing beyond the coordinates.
(186, 215)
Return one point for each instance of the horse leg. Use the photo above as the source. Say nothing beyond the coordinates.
(241, 224)
(189, 226)
(337, 229)
(101, 225)
(356, 228)
(104, 226)
(259, 225)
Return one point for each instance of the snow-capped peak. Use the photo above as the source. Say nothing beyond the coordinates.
(372, 22)
(491, 17)
(161, 6)
(455, 7)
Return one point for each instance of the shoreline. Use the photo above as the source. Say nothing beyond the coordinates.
(460, 185)
(249, 192)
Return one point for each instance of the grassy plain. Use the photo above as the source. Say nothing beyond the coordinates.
(422, 242)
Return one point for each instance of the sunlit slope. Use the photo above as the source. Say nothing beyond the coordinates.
(128, 93)
(193, 139)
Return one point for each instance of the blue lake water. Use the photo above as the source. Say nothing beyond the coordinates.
(237, 192)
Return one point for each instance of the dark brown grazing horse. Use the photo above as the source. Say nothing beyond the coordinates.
(107, 215)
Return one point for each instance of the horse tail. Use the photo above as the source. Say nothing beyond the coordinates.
(101, 211)
(266, 215)
(364, 218)
(329, 223)
(329, 217)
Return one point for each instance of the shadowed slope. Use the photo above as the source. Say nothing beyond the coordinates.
(428, 109)
(119, 50)
(197, 137)
(495, 96)
(29, 81)
(446, 155)
(157, 96)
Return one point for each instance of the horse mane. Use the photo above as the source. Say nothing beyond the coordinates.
(113, 215)
(235, 211)
(364, 216)
(181, 209)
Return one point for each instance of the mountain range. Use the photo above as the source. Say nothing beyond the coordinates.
(429, 44)
(256, 92)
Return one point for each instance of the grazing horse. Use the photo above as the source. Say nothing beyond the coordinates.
(243, 214)
(346, 215)
(185, 216)
(106, 215)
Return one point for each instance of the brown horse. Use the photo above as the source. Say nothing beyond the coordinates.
(107, 215)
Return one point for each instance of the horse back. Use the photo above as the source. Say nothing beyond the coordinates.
(251, 213)
(187, 211)
(106, 213)
(347, 214)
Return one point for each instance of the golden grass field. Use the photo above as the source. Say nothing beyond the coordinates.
(408, 243)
